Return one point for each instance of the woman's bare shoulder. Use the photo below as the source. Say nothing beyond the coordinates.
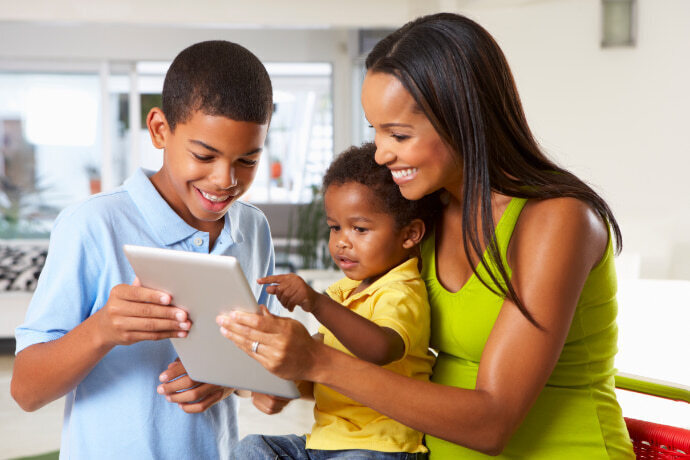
(566, 211)
(562, 221)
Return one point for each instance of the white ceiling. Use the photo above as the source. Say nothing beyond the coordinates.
(241, 14)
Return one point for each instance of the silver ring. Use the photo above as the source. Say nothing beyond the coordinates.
(255, 347)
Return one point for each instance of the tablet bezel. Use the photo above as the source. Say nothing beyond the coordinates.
(206, 285)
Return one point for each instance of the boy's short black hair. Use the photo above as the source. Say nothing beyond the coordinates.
(357, 164)
(218, 78)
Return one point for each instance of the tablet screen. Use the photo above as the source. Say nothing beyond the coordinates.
(207, 285)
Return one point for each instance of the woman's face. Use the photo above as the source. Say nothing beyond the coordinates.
(406, 142)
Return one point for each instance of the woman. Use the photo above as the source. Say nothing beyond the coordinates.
(519, 267)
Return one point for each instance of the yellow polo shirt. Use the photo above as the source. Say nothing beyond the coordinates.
(397, 300)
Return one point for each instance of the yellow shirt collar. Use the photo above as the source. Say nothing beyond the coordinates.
(341, 291)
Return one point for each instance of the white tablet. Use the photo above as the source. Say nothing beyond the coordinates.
(206, 285)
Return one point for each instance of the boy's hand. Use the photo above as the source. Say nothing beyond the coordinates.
(291, 291)
(269, 404)
(191, 396)
(135, 313)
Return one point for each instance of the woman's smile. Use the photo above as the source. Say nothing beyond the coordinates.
(402, 176)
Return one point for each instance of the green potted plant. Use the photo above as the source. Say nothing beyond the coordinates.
(22, 214)
(307, 227)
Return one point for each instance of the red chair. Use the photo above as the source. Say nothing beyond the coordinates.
(654, 440)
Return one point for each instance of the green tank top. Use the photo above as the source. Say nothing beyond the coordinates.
(576, 416)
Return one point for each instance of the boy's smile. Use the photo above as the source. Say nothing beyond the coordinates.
(364, 241)
(209, 161)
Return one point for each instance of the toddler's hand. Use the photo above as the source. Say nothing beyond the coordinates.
(291, 290)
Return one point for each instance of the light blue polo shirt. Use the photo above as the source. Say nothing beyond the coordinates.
(115, 411)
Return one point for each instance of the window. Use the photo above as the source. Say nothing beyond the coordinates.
(362, 131)
(618, 23)
(67, 135)
(299, 146)
(49, 152)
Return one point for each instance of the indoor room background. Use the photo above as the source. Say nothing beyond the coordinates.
(606, 95)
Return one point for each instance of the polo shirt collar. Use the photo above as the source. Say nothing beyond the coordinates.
(232, 230)
(343, 288)
(168, 226)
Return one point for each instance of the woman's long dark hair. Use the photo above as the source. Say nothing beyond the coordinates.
(460, 79)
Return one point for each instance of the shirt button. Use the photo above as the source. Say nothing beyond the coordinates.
(198, 241)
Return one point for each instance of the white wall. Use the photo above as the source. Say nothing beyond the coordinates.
(86, 44)
(617, 117)
(226, 13)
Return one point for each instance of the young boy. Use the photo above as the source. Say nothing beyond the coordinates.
(379, 313)
(92, 332)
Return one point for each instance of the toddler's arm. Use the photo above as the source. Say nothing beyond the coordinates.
(46, 371)
(364, 339)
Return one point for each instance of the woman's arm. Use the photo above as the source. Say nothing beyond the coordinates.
(554, 247)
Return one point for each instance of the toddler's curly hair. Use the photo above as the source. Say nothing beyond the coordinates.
(357, 164)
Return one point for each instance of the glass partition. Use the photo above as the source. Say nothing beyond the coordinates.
(68, 135)
(49, 152)
(299, 146)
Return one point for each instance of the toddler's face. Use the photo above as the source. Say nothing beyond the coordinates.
(209, 162)
(364, 241)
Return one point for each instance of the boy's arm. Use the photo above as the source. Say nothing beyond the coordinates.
(193, 397)
(364, 339)
(44, 372)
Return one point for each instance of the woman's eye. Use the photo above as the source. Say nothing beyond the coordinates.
(399, 137)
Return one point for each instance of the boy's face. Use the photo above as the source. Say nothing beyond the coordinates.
(364, 241)
(208, 163)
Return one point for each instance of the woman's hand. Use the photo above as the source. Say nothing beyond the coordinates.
(191, 396)
(285, 347)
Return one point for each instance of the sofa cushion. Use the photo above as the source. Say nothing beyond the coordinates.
(20, 266)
